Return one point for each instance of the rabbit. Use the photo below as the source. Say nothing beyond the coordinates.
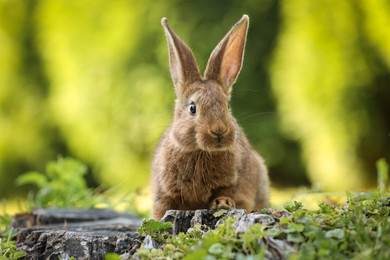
(204, 160)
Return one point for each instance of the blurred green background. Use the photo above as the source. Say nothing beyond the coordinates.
(90, 79)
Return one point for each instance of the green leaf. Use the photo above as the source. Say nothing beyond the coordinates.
(295, 238)
(220, 213)
(198, 254)
(285, 220)
(217, 249)
(34, 178)
(149, 226)
(221, 251)
(325, 208)
(337, 233)
(291, 207)
(18, 255)
(294, 228)
(323, 252)
(273, 232)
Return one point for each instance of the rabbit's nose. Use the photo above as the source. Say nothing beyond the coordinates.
(218, 133)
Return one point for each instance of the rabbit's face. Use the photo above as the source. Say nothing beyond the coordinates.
(202, 116)
(203, 119)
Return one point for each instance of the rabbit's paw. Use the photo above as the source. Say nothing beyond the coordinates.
(222, 203)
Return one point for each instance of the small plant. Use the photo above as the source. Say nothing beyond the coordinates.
(221, 243)
(63, 185)
(155, 229)
(8, 247)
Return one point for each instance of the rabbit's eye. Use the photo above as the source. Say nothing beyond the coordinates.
(192, 108)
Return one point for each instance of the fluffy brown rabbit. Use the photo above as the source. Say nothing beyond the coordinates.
(204, 159)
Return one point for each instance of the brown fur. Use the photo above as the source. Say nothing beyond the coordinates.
(205, 160)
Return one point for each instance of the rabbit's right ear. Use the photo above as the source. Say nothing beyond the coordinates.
(183, 66)
(225, 61)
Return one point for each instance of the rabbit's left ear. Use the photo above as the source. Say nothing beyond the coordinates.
(225, 61)
(183, 67)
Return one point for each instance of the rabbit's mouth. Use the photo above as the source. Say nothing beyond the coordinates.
(216, 142)
(219, 147)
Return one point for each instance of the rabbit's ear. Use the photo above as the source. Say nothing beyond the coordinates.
(226, 59)
(183, 66)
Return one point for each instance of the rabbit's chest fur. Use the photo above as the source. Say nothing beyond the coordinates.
(192, 177)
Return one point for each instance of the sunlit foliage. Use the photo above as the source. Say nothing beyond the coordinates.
(90, 79)
(331, 81)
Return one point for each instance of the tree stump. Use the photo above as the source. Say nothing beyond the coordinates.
(91, 234)
(275, 248)
(82, 234)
